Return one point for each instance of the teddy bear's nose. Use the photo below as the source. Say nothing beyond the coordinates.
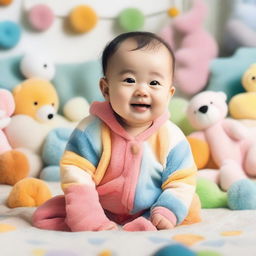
(50, 116)
(203, 109)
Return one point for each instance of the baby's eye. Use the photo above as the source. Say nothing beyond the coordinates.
(154, 82)
(254, 77)
(129, 80)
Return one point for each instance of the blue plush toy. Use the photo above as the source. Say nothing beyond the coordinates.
(53, 149)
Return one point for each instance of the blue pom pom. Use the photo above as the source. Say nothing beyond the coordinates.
(242, 195)
(175, 249)
(10, 34)
(50, 173)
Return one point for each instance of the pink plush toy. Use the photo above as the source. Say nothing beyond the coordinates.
(194, 48)
(232, 145)
(7, 107)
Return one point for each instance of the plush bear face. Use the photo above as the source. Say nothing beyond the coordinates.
(36, 98)
(206, 109)
(249, 79)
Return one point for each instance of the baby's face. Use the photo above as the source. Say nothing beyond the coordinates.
(138, 83)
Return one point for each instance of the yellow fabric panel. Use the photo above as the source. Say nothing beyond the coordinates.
(187, 176)
(159, 143)
(71, 158)
(64, 186)
(106, 154)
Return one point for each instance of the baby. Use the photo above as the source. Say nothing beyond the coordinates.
(127, 163)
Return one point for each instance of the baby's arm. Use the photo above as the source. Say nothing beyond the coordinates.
(78, 165)
(178, 185)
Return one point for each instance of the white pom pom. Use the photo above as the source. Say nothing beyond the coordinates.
(76, 109)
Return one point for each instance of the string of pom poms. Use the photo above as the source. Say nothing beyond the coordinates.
(83, 18)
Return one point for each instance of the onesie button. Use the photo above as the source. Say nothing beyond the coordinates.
(135, 149)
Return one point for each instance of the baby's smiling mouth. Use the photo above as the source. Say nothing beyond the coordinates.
(141, 105)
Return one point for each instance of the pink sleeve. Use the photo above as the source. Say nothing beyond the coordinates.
(169, 215)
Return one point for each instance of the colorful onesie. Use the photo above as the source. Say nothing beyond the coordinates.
(103, 167)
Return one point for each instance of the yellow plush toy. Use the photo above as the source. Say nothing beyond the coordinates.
(34, 117)
(243, 105)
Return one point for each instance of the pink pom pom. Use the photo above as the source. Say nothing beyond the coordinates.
(40, 17)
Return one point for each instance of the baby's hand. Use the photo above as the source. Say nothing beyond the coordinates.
(163, 218)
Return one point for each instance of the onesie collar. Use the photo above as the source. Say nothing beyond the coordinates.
(104, 111)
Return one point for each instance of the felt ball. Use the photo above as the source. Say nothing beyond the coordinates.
(40, 17)
(76, 109)
(208, 253)
(173, 12)
(10, 34)
(5, 2)
(131, 19)
(176, 249)
(34, 65)
(82, 19)
(242, 195)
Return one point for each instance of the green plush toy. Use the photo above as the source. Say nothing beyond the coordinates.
(211, 196)
(177, 109)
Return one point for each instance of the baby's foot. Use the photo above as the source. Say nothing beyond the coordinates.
(139, 224)
(163, 218)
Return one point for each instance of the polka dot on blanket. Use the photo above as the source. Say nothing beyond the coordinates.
(231, 233)
(188, 239)
(6, 227)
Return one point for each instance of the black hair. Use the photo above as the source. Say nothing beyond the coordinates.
(142, 39)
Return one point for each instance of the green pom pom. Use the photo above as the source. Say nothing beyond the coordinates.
(208, 253)
(211, 196)
(178, 108)
(131, 19)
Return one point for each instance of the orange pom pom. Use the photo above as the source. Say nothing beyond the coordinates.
(82, 19)
(5, 2)
(173, 12)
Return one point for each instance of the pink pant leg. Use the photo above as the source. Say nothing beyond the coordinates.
(51, 215)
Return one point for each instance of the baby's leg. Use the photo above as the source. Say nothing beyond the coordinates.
(139, 224)
(51, 215)
(84, 211)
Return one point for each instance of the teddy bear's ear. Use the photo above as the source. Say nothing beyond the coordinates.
(16, 89)
(253, 65)
(222, 95)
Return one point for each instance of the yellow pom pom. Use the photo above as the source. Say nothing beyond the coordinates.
(173, 12)
(82, 19)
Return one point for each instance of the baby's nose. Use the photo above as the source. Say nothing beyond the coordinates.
(141, 91)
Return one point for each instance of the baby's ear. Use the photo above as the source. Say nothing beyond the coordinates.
(172, 90)
(104, 88)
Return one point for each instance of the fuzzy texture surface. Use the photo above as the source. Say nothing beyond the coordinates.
(28, 192)
(211, 196)
(234, 156)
